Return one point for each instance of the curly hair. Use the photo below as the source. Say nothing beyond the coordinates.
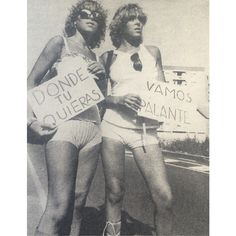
(91, 5)
(124, 14)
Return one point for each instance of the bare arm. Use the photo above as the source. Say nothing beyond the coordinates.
(155, 51)
(110, 100)
(49, 55)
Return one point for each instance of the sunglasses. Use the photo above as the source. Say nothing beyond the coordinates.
(137, 64)
(87, 14)
(142, 19)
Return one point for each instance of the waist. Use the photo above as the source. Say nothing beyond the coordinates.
(126, 118)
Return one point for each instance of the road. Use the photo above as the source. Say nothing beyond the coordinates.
(189, 180)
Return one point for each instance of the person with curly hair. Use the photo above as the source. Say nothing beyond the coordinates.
(130, 63)
(72, 148)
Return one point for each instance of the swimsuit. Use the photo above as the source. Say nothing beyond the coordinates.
(83, 130)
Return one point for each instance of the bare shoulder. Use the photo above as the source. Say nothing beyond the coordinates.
(55, 44)
(155, 51)
(58, 39)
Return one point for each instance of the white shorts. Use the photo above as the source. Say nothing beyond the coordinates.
(131, 138)
(82, 134)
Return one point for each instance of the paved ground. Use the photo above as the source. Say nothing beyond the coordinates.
(189, 180)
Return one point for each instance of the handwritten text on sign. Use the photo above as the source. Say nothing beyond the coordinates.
(166, 102)
(66, 95)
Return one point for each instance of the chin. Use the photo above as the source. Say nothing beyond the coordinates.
(89, 31)
(92, 31)
(134, 39)
(137, 34)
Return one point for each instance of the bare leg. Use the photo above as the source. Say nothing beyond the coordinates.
(113, 153)
(152, 167)
(61, 160)
(88, 159)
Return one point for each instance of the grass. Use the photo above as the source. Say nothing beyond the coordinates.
(188, 145)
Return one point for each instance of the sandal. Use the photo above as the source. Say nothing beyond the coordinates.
(113, 229)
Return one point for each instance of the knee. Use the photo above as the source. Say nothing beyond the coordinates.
(60, 213)
(59, 210)
(163, 200)
(80, 200)
(115, 193)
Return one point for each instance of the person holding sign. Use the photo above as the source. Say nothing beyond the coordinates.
(121, 127)
(72, 147)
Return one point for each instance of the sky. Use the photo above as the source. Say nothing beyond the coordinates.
(178, 27)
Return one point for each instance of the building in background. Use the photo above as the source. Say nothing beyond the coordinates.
(196, 81)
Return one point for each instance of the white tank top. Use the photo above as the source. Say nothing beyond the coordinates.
(91, 114)
(125, 79)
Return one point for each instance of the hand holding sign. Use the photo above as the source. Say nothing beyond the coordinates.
(42, 129)
(96, 68)
(132, 101)
(66, 95)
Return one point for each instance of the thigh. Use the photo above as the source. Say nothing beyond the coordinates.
(113, 159)
(152, 167)
(61, 160)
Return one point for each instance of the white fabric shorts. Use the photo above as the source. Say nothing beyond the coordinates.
(82, 134)
(132, 138)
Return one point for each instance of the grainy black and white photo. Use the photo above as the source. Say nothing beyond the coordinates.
(117, 117)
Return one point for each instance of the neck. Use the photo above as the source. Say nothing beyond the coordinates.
(81, 39)
(127, 46)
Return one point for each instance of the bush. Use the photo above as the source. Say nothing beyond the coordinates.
(188, 145)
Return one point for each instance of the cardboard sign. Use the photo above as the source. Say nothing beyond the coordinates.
(68, 94)
(167, 102)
